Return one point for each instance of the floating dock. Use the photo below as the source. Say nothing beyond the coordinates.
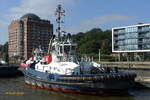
(9, 70)
(144, 81)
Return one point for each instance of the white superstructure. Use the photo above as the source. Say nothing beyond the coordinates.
(64, 60)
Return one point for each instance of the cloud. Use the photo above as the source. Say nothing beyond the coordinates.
(43, 8)
(100, 21)
(108, 19)
(46, 8)
(0, 24)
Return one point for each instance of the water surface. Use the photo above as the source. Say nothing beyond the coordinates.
(16, 89)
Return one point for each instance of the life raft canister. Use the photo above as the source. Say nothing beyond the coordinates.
(48, 59)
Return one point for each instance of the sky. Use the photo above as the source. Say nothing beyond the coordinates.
(81, 15)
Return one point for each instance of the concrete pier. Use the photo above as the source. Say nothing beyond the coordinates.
(128, 65)
(144, 81)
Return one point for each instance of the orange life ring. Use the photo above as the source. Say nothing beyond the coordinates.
(64, 58)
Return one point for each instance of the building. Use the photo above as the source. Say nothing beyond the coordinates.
(133, 40)
(26, 34)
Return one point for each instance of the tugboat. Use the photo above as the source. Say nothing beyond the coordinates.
(62, 71)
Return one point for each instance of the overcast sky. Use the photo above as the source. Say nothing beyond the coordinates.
(81, 15)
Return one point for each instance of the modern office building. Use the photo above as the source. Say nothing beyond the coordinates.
(135, 38)
(27, 33)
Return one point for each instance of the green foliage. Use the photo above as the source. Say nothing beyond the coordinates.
(4, 51)
(90, 42)
(108, 58)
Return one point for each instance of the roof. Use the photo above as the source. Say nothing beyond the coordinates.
(131, 26)
(31, 16)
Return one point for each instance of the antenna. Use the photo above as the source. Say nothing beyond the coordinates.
(60, 12)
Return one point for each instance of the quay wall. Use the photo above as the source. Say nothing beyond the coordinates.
(127, 65)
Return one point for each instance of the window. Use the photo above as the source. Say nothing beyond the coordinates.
(73, 48)
(66, 49)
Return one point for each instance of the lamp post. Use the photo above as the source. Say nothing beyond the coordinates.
(99, 55)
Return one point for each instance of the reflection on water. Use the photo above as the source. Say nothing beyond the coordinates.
(16, 89)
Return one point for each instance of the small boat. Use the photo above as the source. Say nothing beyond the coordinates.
(2, 62)
(63, 71)
(7, 70)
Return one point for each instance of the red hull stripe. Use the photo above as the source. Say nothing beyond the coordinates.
(70, 91)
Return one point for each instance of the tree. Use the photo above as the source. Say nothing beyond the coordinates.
(4, 51)
(90, 42)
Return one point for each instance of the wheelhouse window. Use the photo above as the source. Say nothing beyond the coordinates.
(73, 48)
(66, 49)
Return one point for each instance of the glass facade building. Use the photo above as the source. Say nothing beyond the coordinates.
(135, 38)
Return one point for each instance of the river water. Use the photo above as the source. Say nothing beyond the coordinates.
(16, 89)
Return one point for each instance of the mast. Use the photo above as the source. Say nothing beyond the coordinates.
(60, 12)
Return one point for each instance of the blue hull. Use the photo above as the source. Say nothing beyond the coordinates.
(96, 84)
